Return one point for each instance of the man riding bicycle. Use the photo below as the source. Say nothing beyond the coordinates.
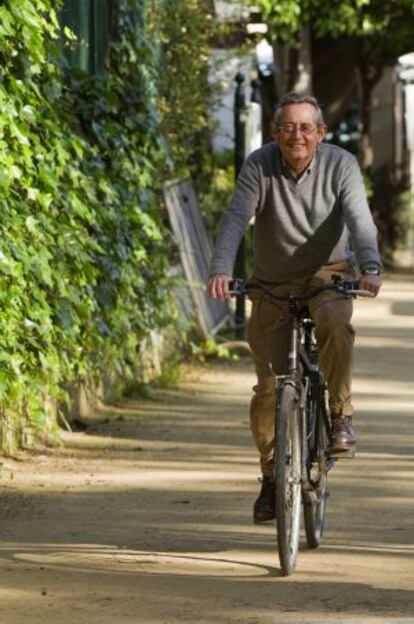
(309, 204)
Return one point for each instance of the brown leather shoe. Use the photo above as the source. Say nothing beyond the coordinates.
(264, 508)
(343, 441)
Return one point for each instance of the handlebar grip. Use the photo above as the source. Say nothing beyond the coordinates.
(345, 284)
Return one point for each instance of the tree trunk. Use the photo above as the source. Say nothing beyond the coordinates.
(293, 64)
(303, 81)
(335, 77)
(369, 73)
(367, 152)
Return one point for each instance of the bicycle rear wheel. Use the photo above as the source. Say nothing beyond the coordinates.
(315, 499)
(287, 468)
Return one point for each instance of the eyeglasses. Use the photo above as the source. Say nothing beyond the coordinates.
(304, 128)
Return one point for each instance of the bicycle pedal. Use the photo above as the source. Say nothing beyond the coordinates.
(330, 463)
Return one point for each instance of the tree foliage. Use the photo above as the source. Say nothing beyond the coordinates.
(185, 92)
(357, 18)
(83, 251)
(373, 34)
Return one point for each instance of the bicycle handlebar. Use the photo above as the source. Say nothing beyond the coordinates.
(239, 287)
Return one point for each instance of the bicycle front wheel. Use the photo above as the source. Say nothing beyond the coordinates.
(287, 468)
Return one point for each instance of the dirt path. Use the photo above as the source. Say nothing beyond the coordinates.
(146, 516)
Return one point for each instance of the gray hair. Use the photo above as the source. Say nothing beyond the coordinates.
(298, 98)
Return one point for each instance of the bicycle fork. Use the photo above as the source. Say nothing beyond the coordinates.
(301, 386)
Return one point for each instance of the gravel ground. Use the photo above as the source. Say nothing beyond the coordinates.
(145, 517)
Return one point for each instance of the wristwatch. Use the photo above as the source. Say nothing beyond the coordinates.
(370, 272)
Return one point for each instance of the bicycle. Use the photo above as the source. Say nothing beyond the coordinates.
(302, 426)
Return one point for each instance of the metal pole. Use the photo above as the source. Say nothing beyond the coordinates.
(256, 91)
(239, 156)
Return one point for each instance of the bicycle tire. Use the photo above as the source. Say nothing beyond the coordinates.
(287, 467)
(315, 500)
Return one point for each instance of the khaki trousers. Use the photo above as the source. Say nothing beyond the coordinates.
(268, 339)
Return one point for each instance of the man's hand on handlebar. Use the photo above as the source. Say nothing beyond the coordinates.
(218, 286)
(371, 283)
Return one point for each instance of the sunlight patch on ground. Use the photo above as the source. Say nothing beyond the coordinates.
(135, 562)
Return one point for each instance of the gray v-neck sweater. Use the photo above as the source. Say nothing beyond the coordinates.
(301, 224)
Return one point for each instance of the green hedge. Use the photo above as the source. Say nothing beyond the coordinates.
(83, 252)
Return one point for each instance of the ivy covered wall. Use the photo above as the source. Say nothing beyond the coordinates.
(83, 250)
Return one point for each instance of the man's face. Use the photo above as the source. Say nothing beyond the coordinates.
(298, 134)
